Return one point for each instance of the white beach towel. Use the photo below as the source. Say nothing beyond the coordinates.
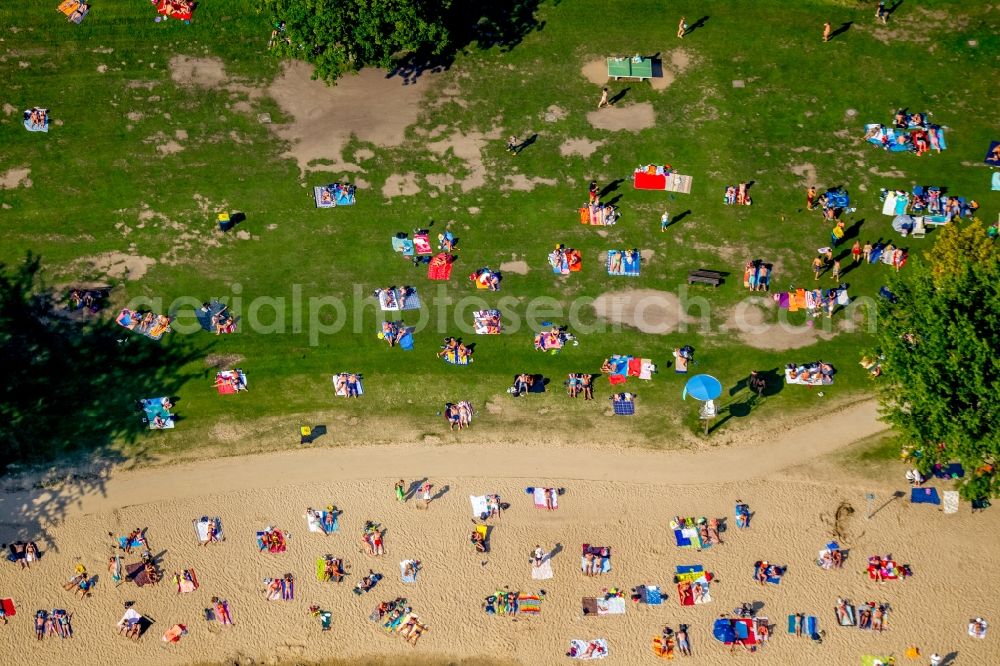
(543, 571)
(480, 505)
(951, 501)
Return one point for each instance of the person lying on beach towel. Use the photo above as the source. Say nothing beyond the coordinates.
(272, 540)
(332, 569)
(23, 553)
(372, 538)
(178, 9)
(885, 568)
(765, 572)
(978, 627)
(230, 381)
(595, 560)
(220, 608)
(456, 352)
(175, 633)
(554, 339)
(209, 530)
(324, 521)
(280, 589)
(565, 260)
(186, 581)
(367, 583)
(479, 538)
(487, 322)
(742, 514)
(831, 557)
(595, 649)
(408, 570)
(131, 624)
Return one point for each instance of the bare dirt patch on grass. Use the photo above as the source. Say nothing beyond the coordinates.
(631, 118)
(517, 267)
(648, 310)
(522, 183)
(596, 71)
(13, 178)
(672, 65)
(581, 147)
(554, 114)
(748, 320)
(223, 361)
(404, 185)
(201, 72)
(469, 149)
(806, 173)
(323, 118)
(119, 265)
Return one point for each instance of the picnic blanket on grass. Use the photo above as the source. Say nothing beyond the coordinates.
(153, 329)
(33, 127)
(230, 381)
(624, 262)
(487, 322)
(342, 384)
(173, 9)
(333, 195)
(440, 266)
(623, 404)
(397, 299)
(153, 407)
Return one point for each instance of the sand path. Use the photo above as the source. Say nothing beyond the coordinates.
(803, 442)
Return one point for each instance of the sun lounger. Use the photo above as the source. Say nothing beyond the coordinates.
(201, 526)
(587, 650)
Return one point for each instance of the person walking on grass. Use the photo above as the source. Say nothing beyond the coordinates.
(604, 99)
(856, 251)
(811, 197)
(817, 267)
(512, 144)
(682, 28)
(866, 252)
(826, 31)
(881, 13)
(836, 270)
(664, 221)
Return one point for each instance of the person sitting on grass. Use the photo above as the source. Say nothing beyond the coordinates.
(757, 383)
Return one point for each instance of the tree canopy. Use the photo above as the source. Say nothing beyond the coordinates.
(939, 341)
(341, 36)
(70, 383)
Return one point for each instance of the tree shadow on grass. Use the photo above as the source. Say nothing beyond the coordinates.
(69, 390)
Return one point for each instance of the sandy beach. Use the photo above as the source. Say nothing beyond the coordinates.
(623, 499)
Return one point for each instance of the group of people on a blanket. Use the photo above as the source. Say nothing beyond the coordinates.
(37, 117)
(372, 538)
(813, 372)
(501, 603)
(885, 568)
(367, 583)
(565, 260)
(757, 275)
(454, 346)
(459, 414)
(921, 137)
(488, 322)
(928, 200)
(594, 558)
(553, 339)
(347, 384)
(56, 623)
(334, 192)
(393, 332)
(178, 8)
(149, 323)
(235, 379)
(394, 298)
(88, 299)
(523, 383)
(831, 558)
(333, 569)
(487, 278)
(737, 195)
(580, 383)
(870, 616)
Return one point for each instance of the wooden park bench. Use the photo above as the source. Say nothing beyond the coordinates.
(705, 276)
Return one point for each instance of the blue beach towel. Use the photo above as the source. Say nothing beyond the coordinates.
(924, 496)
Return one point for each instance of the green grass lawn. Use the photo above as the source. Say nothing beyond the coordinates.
(802, 109)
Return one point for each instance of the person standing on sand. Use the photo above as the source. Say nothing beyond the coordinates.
(826, 32)
(682, 28)
(400, 492)
(604, 99)
(936, 659)
(425, 494)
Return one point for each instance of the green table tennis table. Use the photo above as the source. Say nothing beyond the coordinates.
(630, 68)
